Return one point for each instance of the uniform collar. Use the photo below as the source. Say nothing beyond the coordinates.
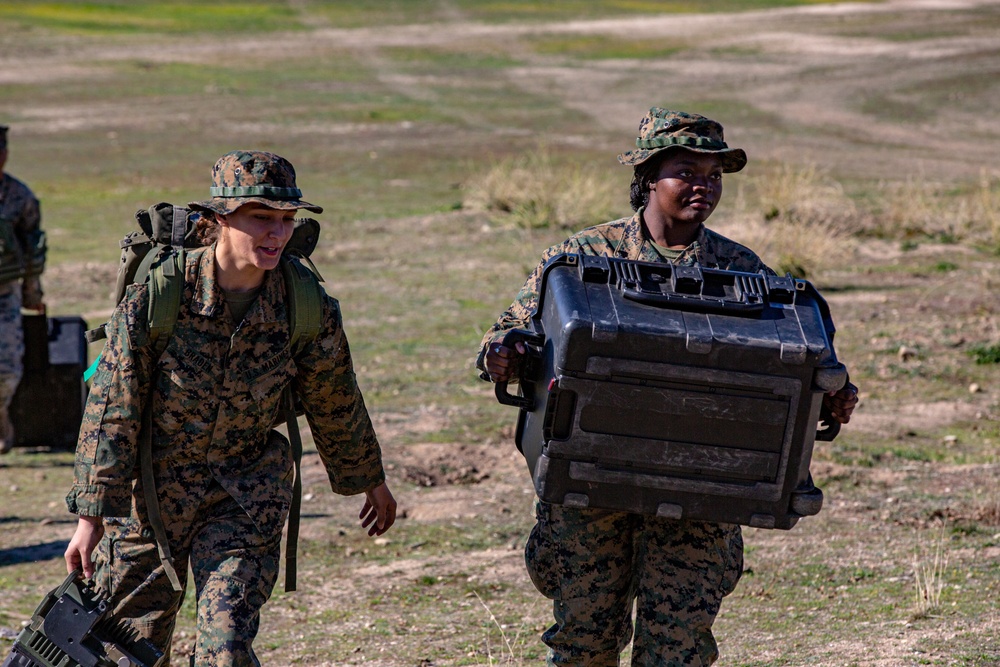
(634, 244)
(209, 300)
(632, 238)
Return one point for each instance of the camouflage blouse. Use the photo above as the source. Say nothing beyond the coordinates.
(20, 221)
(625, 239)
(217, 394)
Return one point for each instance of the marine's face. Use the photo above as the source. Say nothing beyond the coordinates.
(254, 236)
(688, 187)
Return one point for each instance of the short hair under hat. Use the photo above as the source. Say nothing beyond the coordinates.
(663, 129)
(3, 136)
(242, 177)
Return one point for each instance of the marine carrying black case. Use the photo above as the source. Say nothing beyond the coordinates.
(682, 392)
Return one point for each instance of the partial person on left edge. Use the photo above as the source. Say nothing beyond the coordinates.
(22, 254)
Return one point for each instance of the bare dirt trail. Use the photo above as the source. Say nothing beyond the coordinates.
(805, 76)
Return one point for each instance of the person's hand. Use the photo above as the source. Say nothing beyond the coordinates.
(79, 554)
(502, 362)
(379, 510)
(841, 403)
(31, 295)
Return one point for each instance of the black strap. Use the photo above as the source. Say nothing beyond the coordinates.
(178, 226)
(292, 538)
(149, 490)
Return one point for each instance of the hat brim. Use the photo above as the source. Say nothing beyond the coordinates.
(733, 159)
(226, 205)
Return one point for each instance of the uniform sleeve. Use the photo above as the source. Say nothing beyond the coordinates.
(520, 311)
(28, 230)
(106, 452)
(335, 409)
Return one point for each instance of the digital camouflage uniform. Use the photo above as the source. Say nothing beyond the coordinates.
(20, 220)
(223, 478)
(594, 563)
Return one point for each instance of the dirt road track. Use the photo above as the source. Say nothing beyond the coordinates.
(803, 81)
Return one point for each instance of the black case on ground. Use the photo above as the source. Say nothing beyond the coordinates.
(683, 392)
(48, 406)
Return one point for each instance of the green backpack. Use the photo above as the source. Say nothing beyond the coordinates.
(155, 254)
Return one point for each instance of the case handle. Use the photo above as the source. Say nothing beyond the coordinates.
(830, 427)
(694, 302)
(686, 291)
(527, 401)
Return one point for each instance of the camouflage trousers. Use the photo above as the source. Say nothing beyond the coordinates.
(594, 564)
(11, 344)
(234, 570)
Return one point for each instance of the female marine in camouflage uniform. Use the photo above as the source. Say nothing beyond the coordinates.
(595, 563)
(223, 478)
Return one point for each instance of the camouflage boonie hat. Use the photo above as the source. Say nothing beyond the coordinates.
(242, 177)
(662, 129)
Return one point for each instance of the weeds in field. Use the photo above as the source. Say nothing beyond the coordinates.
(533, 191)
(985, 354)
(988, 200)
(799, 221)
(986, 507)
(919, 208)
(930, 564)
(507, 656)
(801, 195)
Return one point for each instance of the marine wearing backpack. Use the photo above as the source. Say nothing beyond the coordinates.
(155, 255)
(209, 399)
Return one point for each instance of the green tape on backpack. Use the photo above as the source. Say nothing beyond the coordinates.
(89, 373)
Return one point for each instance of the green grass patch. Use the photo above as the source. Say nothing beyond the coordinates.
(961, 443)
(603, 47)
(125, 18)
(524, 10)
(986, 354)
(464, 57)
(163, 17)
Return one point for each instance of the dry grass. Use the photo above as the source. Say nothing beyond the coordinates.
(919, 207)
(799, 219)
(533, 191)
(987, 204)
(800, 195)
(930, 565)
(508, 653)
(804, 249)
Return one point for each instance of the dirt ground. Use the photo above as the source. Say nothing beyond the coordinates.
(805, 78)
(808, 80)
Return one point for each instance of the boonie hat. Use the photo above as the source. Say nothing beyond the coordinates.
(242, 177)
(663, 129)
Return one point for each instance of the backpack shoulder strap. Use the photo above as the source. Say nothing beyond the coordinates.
(163, 270)
(304, 302)
(295, 508)
(304, 298)
(166, 287)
